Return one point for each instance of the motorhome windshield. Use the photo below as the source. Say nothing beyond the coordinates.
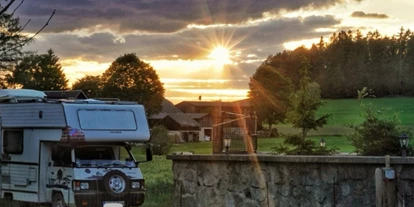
(103, 156)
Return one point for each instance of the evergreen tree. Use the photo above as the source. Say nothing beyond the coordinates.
(12, 40)
(305, 102)
(376, 135)
(39, 72)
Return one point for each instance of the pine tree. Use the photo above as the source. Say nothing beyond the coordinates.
(39, 72)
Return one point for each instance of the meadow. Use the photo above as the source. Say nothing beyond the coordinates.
(158, 173)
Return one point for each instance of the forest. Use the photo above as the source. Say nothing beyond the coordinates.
(349, 61)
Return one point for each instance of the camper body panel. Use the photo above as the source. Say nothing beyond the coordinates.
(20, 169)
(26, 171)
(32, 115)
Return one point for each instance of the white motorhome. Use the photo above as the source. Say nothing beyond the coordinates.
(70, 152)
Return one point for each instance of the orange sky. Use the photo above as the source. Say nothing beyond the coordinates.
(199, 48)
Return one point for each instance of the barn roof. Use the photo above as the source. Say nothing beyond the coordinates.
(71, 94)
(183, 120)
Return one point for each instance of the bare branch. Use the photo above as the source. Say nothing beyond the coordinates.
(7, 7)
(32, 37)
(47, 23)
(17, 7)
(26, 24)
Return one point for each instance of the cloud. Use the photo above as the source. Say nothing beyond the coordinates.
(260, 39)
(153, 16)
(92, 37)
(361, 14)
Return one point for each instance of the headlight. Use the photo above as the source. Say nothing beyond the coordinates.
(135, 184)
(77, 185)
(84, 186)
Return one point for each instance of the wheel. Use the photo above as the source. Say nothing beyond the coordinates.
(116, 183)
(58, 201)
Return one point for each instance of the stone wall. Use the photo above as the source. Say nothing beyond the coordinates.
(268, 180)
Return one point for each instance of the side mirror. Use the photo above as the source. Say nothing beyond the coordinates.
(148, 153)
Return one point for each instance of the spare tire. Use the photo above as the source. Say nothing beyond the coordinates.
(116, 183)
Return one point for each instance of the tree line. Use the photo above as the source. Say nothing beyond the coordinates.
(350, 61)
(127, 78)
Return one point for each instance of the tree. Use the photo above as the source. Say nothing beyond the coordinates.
(161, 143)
(90, 85)
(269, 94)
(305, 102)
(12, 40)
(376, 135)
(129, 78)
(39, 72)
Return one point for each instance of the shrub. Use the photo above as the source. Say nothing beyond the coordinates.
(274, 132)
(294, 144)
(376, 135)
(161, 143)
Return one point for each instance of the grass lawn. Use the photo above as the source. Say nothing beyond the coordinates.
(348, 111)
(158, 181)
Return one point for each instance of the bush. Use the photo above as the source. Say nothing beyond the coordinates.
(161, 143)
(376, 135)
(295, 144)
(274, 132)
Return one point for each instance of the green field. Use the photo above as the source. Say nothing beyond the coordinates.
(347, 111)
(158, 173)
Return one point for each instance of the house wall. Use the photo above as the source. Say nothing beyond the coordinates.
(175, 136)
(206, 121)
(203, 135)
(267, 180)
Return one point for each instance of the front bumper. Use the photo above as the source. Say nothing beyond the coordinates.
(90, 199)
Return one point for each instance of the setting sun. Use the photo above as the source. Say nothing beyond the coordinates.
(220, 55)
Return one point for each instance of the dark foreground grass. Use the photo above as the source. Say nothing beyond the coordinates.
(158, 181)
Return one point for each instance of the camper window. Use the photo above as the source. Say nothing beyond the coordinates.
(13, 141)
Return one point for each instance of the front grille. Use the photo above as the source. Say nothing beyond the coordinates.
(90, 200)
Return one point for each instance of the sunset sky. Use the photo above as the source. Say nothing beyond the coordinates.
(205, 48)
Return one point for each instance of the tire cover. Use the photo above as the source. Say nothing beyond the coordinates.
(116, 183)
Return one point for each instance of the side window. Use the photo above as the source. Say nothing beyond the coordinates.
(123, 154)
(61, 156)
(13, 141)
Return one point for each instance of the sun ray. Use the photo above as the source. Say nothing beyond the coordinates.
(220, 55)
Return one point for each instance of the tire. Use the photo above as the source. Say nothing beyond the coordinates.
(58, 200)
(116, 183)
